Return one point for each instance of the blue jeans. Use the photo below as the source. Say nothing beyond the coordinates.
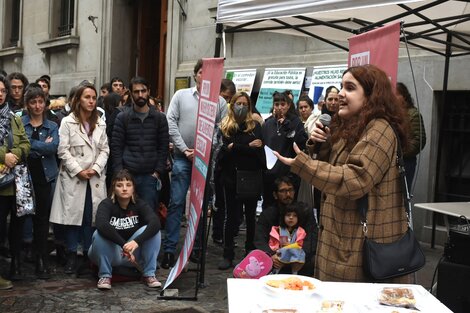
(180, 179)
(107, 254)
(85, 231)
(146, 188)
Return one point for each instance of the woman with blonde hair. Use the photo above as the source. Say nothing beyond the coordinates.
(83, 151)
(242, 150)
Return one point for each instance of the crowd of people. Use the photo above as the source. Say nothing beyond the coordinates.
(103, 163)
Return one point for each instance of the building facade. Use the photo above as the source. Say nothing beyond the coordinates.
(73, 40)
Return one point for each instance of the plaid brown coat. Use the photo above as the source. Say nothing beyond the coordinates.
(370, 167)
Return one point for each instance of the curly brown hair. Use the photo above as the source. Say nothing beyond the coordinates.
(380, 102)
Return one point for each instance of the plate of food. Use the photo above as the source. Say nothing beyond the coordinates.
(290, 284)
(398, 297)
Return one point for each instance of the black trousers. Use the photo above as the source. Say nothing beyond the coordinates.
(42, 193)
(15, 235)
(234, 208)
(218, 217)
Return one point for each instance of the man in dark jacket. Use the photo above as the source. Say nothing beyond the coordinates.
(140, 142)
(284, 194)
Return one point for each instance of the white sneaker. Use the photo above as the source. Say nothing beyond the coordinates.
(152, 282)
(104, 283)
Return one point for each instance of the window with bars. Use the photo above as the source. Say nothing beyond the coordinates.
(11, 20)
(66, 22)
(15, 23)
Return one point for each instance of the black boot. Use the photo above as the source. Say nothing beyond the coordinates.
(60, 257)
(28, 252)
(15, 267)
(168, 260)
(42, 271)
(71, 264)
(85, 267)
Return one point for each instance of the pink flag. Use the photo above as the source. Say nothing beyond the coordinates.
(212, 70)
(378, 47)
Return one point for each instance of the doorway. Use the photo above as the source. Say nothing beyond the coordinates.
(151, 43)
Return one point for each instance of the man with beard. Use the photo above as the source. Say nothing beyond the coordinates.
(140, 142)
(284, 194)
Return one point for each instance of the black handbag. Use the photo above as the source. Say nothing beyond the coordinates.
(249, 184)
(389, 260)
(8, 179)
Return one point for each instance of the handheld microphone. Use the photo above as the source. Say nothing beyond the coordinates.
(325, 119)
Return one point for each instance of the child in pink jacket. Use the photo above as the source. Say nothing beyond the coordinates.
(287, 238)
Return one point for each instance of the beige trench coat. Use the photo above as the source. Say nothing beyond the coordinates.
(369, 168)
(78, 153)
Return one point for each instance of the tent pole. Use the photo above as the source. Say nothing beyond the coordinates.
(218, 40)
(441, 133)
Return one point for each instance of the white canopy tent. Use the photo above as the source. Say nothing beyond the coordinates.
(430, 25)
(438, 26)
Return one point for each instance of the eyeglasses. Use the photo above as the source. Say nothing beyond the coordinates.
(4, 91)
(284, 191)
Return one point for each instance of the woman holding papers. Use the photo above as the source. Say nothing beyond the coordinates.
(362, 160)
(280, 131)
(241, 152)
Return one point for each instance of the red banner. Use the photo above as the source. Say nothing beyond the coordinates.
(378, 47)
(212, 70)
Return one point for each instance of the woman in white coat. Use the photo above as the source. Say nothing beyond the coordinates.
(83, 151)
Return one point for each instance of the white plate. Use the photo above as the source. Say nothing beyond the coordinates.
(305, 292)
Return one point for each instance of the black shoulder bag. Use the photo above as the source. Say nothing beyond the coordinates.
(383, 261)
(249, 183)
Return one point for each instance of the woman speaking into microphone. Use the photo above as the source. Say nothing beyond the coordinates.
(361, 161)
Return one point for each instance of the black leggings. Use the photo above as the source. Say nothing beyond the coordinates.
(42, 193)
(233, 211)
(15, 235)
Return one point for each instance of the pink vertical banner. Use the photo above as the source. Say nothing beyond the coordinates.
(378, 47)
(212, 70)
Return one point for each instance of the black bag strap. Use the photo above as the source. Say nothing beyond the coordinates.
(10, 139)
(363, 202)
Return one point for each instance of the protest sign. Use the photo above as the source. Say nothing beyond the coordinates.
(279, 79)
(243, 79)
(208, 103)
(324, 77)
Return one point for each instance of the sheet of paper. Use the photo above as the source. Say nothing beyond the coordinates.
(270, 157)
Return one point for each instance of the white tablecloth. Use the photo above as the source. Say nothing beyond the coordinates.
(248, 295)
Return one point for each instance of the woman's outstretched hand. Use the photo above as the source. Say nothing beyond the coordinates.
(287, 161)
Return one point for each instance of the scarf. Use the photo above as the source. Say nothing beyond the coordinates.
(4, 122)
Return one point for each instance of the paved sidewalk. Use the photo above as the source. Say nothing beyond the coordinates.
(64, 293)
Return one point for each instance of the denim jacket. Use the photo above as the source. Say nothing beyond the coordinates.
(40, 149)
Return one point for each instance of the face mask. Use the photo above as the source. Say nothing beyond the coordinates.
(240, 111)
